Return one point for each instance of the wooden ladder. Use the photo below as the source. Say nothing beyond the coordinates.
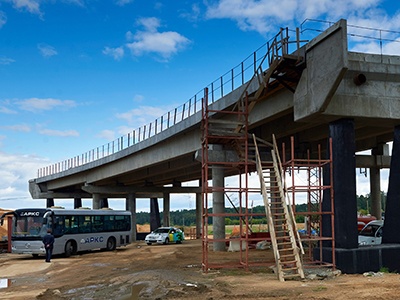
(281, 223)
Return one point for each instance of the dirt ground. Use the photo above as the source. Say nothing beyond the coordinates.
(170, 271)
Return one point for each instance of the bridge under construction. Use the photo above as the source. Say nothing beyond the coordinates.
(307, 107)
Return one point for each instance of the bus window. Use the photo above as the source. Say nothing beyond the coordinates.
(109, 223)
(98, 224)
(67, 224)
(85, 224)
(74, 223)
(122, 223)
(28, 226)
(59, 226)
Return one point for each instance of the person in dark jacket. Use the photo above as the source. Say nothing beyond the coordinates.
(48, 241)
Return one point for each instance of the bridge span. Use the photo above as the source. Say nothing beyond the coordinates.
(319, 91)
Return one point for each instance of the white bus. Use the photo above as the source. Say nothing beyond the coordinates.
(74, 230)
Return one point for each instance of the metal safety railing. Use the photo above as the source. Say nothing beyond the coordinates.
(228, 82)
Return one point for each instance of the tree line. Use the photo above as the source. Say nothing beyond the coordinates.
(187, 217)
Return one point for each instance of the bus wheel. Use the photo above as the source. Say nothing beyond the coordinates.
(69, 249)
(111, 244)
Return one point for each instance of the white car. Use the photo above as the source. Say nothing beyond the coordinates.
(165, 235)
(371, 234)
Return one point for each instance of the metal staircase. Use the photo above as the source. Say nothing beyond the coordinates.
(285, 239)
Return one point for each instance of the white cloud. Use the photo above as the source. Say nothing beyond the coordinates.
(106, 134)
(150, 24)
(116, 53)
(36, 104)
(6, 61)
(15, 172)
(129, 36)
(138, 98)
(18, 127)
(31, 6)
(61, 133)
(3, 18)
(142, 115)
(193, 15)
(5, 110)
(76, 2)
(150, 40)
(252, 15)
(124, 130)
(123, 2)
(47, 50)
(265, 15)
(373, 46)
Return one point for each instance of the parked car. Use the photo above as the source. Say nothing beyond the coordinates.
(371, 234)
(364, 220)
(165, 235)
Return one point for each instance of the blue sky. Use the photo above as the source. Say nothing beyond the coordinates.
(76, 74)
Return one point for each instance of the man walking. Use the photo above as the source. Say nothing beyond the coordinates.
(48, 241)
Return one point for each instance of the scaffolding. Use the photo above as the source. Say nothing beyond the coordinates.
(302, 183)
(228, 149)
(305, 180)
(226, 136)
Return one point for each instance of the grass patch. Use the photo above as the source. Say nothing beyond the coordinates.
(320, 288)
(384, 270)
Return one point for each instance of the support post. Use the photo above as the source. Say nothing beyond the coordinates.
(131, 206)
(104, 203)
(96, 202)
(375, 184)
(166, 209)
(77, 203)
(375, 181)
(392, 220)
(49, 202)
(344, 183)
(198, 214)
(154, 214)
(218, 208)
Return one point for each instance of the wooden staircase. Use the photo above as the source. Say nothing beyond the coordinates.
(285, 239)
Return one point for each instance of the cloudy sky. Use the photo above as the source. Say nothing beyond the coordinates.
(77, 74)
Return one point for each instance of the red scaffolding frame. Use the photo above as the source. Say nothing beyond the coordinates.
(314, 236)
(229, 130)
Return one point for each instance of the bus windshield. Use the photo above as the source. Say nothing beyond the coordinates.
(28, 226)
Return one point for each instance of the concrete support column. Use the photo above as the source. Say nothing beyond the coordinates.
(104, 203)
(77, 203)
(199, 211)
(375, 181)
(154, 214)
(130, 205)
(96, 202)
(392, 220)
(218, 208)
(375, 185)
(344, 183)
(49, 202)
(166, 205)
